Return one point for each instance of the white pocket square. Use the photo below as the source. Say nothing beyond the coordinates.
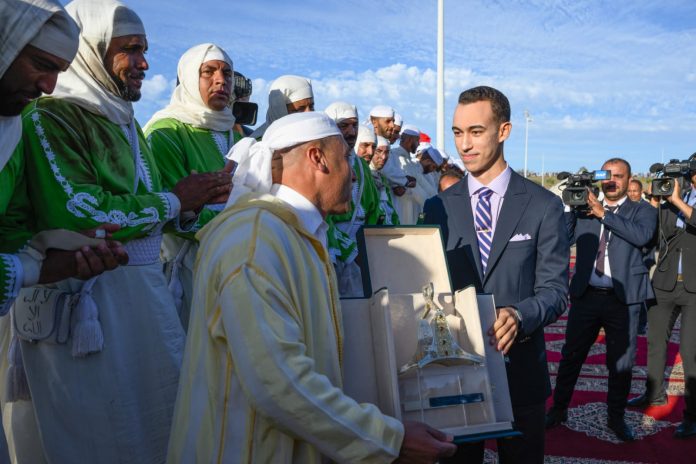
(520, 237)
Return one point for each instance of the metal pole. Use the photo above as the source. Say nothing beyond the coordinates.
(441, 75)
(527, 120)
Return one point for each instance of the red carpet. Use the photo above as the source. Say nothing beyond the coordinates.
(586, 439)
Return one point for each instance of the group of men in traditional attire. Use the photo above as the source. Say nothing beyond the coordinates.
(97, 365)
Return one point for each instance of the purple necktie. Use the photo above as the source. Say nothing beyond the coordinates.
(484, 225)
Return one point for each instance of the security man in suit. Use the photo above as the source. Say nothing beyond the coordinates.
(506, 235)
(674, 281)
(610, 285)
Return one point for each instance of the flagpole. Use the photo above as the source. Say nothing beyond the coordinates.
(441, 75)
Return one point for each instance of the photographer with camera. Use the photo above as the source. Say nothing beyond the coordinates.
(609, 286)
(674, 281)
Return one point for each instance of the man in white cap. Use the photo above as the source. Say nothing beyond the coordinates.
(193, 134)
(107, 395)
(398, 122)
(409, 202)
(382, 119)
(386, 200)
(262, 376)
(287, 95)
(425, 171)
(364, 207)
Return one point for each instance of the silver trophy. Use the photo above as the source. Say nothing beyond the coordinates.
(435, 341)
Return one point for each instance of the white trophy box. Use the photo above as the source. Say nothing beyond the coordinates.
(420, 354)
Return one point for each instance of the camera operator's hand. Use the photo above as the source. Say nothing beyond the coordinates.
(676, 199)
(676, 196)
(654, 200)
(594, 206)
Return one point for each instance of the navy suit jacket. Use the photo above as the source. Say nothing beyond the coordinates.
(530, 275)
(632, 228)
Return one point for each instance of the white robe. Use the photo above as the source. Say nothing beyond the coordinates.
(114, 406)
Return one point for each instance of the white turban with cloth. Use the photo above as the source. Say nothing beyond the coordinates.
(382, 142)
(382, 111)
(283, 91)
(366, 134)
(43, 24)
(186, 104)
(253, 173)
(338, 111)
(87, 82)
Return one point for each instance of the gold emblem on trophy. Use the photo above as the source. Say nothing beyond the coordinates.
(435, 341)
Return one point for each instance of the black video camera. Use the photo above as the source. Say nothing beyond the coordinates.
(668, 174)
(576, 185)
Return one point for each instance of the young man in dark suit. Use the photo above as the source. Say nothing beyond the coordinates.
(505, 235)
(674, 281)
(610, 285)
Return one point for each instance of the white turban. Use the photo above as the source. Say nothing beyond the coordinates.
(283, 91)
(411, 130)
(87, 82)
(434, 154)
(43, 24)
(365, 134)
(382, 142)
(398, 120)
(253, 158)
(382, 111)
(338, 111)
(186, 104)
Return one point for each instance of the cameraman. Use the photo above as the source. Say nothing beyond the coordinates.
(608, 289)
(674, 281)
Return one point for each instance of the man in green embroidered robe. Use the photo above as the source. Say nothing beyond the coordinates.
(364, 207)
(107, 395)
(386, 201)
(193, 134)
(38, 41)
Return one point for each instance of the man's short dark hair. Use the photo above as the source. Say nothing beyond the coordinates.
(637, 182)
(619, 160)
(452, 171)
(499, 102)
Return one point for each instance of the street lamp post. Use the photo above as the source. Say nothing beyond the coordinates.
(527, 120)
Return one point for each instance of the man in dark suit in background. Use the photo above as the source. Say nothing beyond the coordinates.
(675, 291)
(505, 235)
(610, 285)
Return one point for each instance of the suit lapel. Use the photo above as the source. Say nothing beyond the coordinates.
(467, 234)
(514, 206)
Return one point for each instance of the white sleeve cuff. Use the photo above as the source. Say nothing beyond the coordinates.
(174, 206)
(29, 267)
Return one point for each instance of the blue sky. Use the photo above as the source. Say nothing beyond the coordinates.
(601, 79)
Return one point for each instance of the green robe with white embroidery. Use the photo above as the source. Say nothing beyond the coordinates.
(181, 149)
(83, 173)
(341, 235)
(15, 212)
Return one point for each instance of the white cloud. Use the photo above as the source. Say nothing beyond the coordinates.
(597, 77)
